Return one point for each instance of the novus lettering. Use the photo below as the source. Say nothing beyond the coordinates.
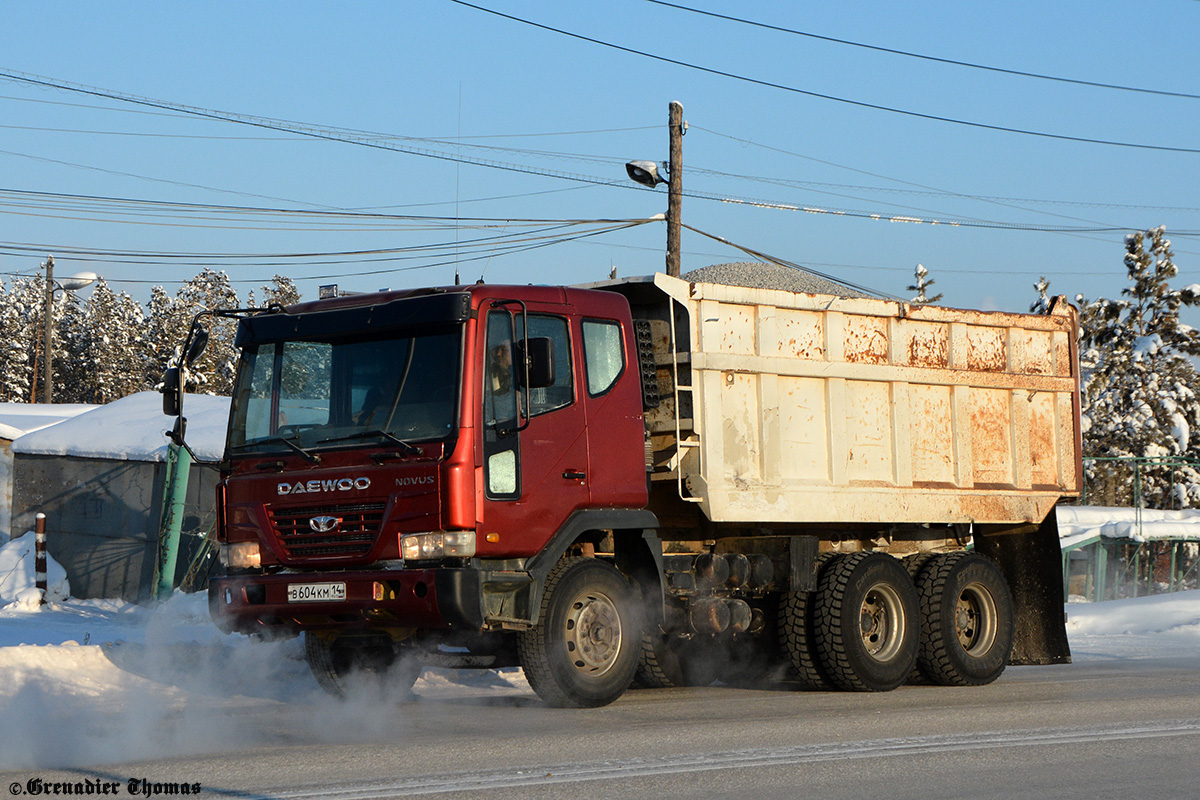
(325, 485)
(422, 480)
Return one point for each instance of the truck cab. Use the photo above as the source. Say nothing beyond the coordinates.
(400, 465)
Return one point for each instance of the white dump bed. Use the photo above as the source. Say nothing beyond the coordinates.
(813, 408)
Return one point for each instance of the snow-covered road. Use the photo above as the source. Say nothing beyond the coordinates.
(93, 682)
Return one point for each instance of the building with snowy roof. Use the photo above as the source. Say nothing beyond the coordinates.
(16, 420)
(98, 477)
(1112, 553)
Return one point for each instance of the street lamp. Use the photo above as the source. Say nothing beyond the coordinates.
(67, 285)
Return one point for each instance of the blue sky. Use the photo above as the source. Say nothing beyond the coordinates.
(433, 69)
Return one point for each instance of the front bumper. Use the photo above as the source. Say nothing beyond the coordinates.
(409, 598)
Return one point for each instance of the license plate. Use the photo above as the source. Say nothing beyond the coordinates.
(315, 592)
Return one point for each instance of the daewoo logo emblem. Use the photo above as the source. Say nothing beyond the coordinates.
(324, 524)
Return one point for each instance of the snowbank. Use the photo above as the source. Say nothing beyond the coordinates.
(18, 574)
(92, 682)
(1079, 523)
(132, 428)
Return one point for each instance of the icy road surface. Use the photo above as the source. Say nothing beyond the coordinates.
(107, 691)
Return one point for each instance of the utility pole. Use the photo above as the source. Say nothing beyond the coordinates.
(48, 321)
(675, 188)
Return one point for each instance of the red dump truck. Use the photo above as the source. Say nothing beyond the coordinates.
(649, 482)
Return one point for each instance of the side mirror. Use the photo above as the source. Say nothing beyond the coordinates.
(535, 362)
(199, 342)
(171, 391)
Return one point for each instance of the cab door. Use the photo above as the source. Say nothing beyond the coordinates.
(534, 440)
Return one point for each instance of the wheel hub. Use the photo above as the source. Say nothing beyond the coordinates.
(974, 619)
(881, 623)
(593, 634)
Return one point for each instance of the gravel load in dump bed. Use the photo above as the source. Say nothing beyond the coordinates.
(763, 275)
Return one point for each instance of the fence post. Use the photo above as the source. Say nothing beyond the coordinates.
(39, 557)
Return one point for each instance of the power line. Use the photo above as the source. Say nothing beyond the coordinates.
(761, 256)
(695, 194)
(148, 178)
(301, 212)
(362, 139)
(545, 234)
(1005, 202)
(934, 192)
(821, 96)
(175, 115)
(342, 135)
(510, 248)
(907, 54)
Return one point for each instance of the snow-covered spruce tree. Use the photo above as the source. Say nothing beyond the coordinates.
(921, 287)
(281, 291)
(20, 376)
(1042, 304)
(113, 346)
(165, 329)
(72, 377)
(213, 372)
(1139, 387)
(16, 344)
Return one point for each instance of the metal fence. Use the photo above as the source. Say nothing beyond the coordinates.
(1136, 481)
(1109, 569)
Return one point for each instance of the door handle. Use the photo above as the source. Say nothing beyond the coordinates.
(574, 475)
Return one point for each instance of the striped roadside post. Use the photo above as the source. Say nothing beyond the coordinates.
(39, 567)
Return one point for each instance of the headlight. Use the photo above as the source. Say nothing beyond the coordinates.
(241, 555)
(443, 544)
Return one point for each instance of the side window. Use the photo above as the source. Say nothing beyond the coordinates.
(254, 394)
(603, 354)
(500, 440)
(548, 398)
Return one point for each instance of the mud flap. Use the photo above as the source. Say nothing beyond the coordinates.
(1031, 559)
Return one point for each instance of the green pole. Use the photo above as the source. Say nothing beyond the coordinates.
(1171, 581)
(175, 483)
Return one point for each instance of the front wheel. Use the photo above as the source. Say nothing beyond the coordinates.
(342, 663)
(585, 648)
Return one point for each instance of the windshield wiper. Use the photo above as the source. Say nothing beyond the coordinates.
(310, 457)
(408, 448)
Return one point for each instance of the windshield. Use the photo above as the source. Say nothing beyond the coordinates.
(333, 393)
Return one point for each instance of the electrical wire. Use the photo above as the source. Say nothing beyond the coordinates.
(822, 96)
(345, 136)
(503, 242)
(934, 192)
(362, 139)
(761, 256)
(356, 215)
(907, 54)
(445, 259)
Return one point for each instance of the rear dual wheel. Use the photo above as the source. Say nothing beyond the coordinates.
(966, 619)
(866, 622)
(797, 626)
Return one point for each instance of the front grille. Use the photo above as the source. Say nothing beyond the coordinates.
(354, 536)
